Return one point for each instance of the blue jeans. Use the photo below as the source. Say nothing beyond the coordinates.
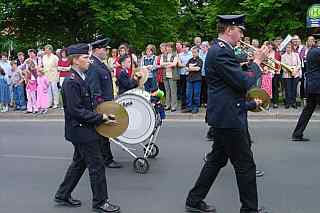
(291, 90)
(18, 96)
(193, 95)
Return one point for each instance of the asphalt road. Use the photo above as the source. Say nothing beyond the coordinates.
(34, 157)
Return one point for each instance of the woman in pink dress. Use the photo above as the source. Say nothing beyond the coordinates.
(266, 78)
(42, 92)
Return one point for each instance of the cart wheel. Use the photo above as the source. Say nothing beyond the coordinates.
(141, 165)
(154, 151)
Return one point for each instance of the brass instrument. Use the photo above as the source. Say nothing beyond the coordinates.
(121, 116)
(286, 67)
(258, 93)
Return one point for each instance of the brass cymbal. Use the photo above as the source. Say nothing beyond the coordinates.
(258, 93)
(113, 131)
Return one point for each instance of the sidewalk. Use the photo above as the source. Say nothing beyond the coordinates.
(279, 113)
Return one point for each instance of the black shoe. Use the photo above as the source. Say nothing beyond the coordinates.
(173, 110)
(67, 202)
(114, 165)
(287, 107)
(275, 106)
(302, 139)
(167, 108)
(106, 207)
(201, 207)
(186, 110)
(294, 106)
(195, 111)
(260, 210)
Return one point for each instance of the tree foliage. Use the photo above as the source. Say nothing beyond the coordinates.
(139, 22)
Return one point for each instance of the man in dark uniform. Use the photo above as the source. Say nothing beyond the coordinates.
(80, 123)
(100, 81)
(312, 92)
(227, 114)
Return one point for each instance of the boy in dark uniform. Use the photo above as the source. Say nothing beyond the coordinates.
(124, 81)
(227, 114)
(80, 123)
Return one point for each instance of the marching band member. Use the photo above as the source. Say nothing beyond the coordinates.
(227, 114)
(80, 122)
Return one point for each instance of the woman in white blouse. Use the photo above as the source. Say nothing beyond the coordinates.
(291, 79)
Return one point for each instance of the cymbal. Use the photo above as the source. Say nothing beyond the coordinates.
(258, 93)
(113, 131)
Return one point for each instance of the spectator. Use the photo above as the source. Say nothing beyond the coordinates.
(4, 91)
(160, 70)
(42, 92)
(203, 55)
(112, 59)
(184, 57)
(170, 62)
(194, 67)
(276, 78)
(50, 65)
(18, 90)
(291, 79)
(255, 43)
(20, 59)
(5, 64)
(266, 78)
(311, 42)
(63, 66)
(31, 87)
(148, 62)
(179, 47)
(197, 42)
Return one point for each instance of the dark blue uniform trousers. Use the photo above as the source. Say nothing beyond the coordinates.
(86, 155)
(230, 144)
(312, 101)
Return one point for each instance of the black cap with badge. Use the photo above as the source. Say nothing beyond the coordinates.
(101, 43)
(233, 20)
(78, 49)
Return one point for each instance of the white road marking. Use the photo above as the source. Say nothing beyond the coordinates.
(37, 157)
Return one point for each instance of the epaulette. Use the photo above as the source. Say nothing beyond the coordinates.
(72, 76)
(221, 44)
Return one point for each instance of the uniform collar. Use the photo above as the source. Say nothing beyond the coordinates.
(224, 41)
(80, 74)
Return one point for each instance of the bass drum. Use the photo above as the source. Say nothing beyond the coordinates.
(142, 118)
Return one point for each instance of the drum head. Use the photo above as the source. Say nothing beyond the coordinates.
(142, 118)
(140, 92)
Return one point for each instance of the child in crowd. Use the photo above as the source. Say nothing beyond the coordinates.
(31, 87)
(194, 78)
(4, 91)
(42, 92)
(18, 90)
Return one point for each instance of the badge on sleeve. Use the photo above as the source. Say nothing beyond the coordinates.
(221, 44)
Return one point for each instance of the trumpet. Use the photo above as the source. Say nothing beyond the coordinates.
(286, 67)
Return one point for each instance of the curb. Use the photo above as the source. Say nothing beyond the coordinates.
(171, 116)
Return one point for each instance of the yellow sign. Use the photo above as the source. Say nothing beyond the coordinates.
(314, 11)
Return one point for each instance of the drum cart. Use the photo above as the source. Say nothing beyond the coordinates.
(144, 126)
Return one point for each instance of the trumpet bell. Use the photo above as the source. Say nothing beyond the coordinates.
(113, 131)
(258, 93)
